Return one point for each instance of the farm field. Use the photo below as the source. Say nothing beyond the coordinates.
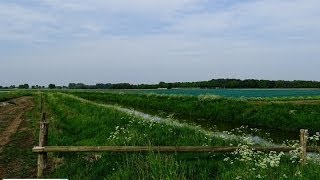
(235, 93)
(288, 114)
(106, 119)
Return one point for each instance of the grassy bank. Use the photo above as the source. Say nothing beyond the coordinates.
(4, 96)
(75, 121)
(292, 114)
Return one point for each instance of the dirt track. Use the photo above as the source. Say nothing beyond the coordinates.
(15, 110)
(11, 121)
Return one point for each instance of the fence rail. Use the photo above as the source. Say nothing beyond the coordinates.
(168, 149)
(43, 149)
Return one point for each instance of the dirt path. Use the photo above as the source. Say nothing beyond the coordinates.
(21, 106)
(12, 121)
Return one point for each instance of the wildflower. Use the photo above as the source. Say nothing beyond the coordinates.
(297, 173)
(259, 176)
(226, 159)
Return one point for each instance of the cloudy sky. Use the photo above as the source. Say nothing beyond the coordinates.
(147, 41)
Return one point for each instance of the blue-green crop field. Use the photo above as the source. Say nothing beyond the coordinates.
(237, 93)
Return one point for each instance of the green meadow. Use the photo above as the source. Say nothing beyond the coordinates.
(97, 119)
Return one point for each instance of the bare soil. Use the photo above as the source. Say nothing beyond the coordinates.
(14, 134)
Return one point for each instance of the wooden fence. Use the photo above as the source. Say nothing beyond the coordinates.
(43, 149)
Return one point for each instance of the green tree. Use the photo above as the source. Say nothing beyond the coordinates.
(23, 86)
(52, 86)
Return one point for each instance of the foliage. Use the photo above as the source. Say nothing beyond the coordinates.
(283, 115)
(4, 96)
(75, 121)
(23, 86)
(211, 84)
(52, 86)
(214, 83)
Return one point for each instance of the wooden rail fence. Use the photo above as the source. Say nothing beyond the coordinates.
(43, 149)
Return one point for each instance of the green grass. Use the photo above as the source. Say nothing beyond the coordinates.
(236, 93)
(211, 109)
(75, 121)
(4, 96)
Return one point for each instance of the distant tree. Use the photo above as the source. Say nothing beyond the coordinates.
(12, 87)
(71, 85)
(214, 83)
(52, 86)
(102, 86)
(1, 87)
(23, 86)
(162, 84)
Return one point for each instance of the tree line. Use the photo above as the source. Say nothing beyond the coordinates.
(214, 83)
(27, 86)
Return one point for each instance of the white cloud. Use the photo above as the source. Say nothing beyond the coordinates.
(22, 24)
(124, 6)
(264, 18)
(113, 40)
(168, 58)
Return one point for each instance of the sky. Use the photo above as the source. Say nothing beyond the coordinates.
(147, 41)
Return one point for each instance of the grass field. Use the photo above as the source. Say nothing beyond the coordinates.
(80, 122)
(290, 114)
(237, 93)
(6, 95)
(233, 93)
(86, 119)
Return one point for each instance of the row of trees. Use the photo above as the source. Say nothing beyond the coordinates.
(26, 86)
(214, 83)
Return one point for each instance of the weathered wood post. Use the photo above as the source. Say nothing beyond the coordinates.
(43, 141)
(303, 145)
(41, 103)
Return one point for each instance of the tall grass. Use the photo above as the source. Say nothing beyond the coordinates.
(268, 113)
(78, 122)
(4, 96)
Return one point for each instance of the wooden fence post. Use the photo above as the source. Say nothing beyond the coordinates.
(303, 145)
(43, 141)
(41, 103)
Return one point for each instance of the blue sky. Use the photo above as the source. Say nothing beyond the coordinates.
(147, 41)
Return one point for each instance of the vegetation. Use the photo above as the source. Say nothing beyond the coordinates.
(4, 96)
(285, 115)
(52, 86)
(257, 94)
(23, 86)
(17, 156)
(75, 121)
(214, 83)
